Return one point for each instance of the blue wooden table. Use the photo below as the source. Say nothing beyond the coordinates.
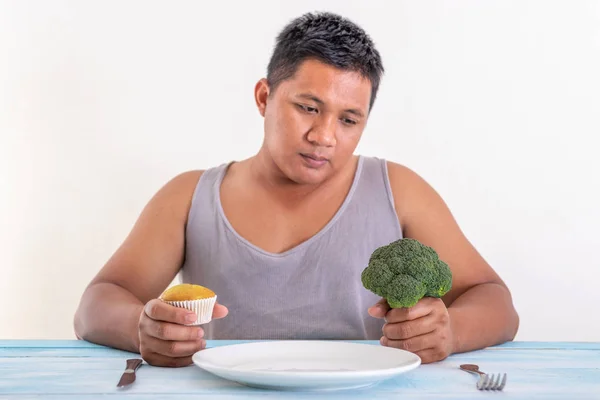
(81, 370)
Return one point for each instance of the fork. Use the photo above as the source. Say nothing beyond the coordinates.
(486, 382)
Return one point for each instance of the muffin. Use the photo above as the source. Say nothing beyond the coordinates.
(195, 298)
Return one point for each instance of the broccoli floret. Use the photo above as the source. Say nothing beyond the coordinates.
(405, 271)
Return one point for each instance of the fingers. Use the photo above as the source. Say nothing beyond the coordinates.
(163, 321)
(424, 307)
(166, 339)
(172, 348)
(414, 344)
(380, 309)
(428, 356)
(160, 360)
(408, 329)
(168, 331)
(423, 329)
(160, 311)
(219, 311)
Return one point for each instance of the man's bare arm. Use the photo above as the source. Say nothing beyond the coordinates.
(142, 267)
(479, 304)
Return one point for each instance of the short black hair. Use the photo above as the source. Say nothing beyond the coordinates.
(329, 38)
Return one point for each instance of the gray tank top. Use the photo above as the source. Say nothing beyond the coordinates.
(312, 291)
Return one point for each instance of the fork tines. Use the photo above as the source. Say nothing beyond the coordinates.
(491, 382)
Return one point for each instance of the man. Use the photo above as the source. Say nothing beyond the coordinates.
(283, 236)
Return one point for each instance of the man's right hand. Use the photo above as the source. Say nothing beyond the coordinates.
(165, 341)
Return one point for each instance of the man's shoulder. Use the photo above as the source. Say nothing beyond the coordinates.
(192, 177)
(176, 194)
(179, 189)
(185, 179)
(395, 171)
(409, 189)
(184, 184)
(400, 175)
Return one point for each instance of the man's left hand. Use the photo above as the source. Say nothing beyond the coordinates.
(423, 329)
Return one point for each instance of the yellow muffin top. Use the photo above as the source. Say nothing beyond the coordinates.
(186, 291)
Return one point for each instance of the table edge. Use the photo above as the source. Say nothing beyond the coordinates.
(68, 343)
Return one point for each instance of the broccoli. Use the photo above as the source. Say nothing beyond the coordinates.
(405, 271)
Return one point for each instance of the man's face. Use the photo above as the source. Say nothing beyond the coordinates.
(314, 121)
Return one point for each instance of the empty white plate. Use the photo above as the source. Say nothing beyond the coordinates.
(306, 365)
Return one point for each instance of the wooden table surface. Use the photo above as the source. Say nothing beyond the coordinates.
(32, 369)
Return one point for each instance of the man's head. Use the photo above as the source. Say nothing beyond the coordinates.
(321, 84)
(329, 38)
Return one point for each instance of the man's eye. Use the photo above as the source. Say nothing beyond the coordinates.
(349, 121)
(307, 108)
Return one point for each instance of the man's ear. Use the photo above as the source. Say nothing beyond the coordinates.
(261, 94)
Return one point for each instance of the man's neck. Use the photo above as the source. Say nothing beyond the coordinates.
(265, 172)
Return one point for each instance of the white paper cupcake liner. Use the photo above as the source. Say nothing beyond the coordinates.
(203, 308)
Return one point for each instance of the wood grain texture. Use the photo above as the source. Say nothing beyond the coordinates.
(82, 370)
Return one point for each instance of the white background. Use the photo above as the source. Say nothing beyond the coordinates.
(495, 103)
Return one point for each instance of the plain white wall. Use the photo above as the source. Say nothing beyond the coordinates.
(495, 103)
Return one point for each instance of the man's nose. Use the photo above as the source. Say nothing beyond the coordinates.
(322, 133)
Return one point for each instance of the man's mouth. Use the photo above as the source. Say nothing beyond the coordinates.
(314, 157)
(314, 160)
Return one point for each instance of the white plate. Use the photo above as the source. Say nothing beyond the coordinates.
(306, 365)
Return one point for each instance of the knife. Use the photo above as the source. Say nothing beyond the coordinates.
(128, 376)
